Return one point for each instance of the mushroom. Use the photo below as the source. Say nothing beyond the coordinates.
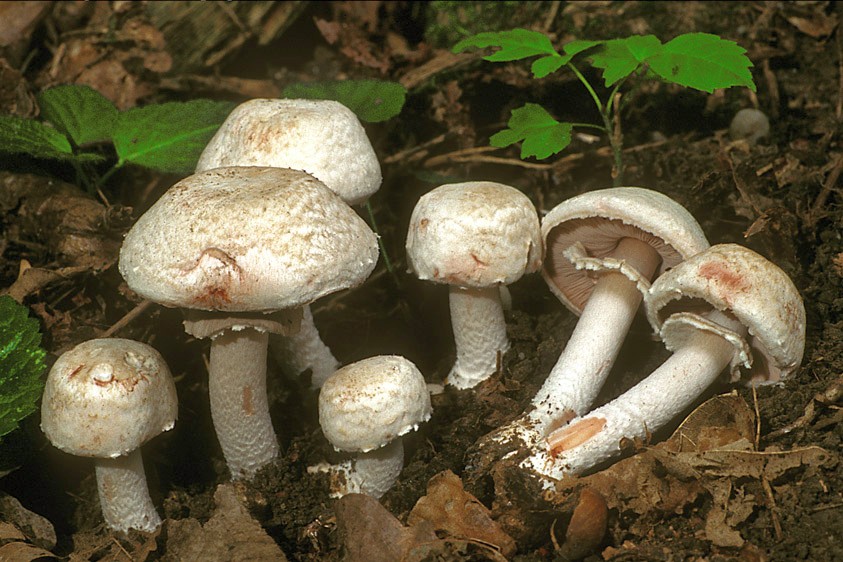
(603, 249)
(244, 249)
(323, 138)
(725, 307)
(104, 399)
(475, 237)
(364, 408)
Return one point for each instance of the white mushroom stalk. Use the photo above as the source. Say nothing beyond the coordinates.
(754, 311)
(365, 408)
(243, 249)
(103, 399)
(475, 237)
(325, 139)
(603, 249)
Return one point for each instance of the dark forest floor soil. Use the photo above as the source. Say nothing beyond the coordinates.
(771, 487)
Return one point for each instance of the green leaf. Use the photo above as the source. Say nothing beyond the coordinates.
(545, 65)
(542, 135)
(80, 112)
(27, 136)
(371, 100)
(168, 137)
(515, 44)
(621, 57)
(704, 62)
(21, 364)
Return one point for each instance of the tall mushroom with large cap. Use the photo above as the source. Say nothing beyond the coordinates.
(104, 399)
(243, 249)
(603, 248)
(321, 137)
(726, 307)
(474, 237)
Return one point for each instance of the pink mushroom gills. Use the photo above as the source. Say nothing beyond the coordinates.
(323, 138)
(365, 408)
(474, 237)
(602, 250)
(104, 399)
(243, 249)
(725, 307)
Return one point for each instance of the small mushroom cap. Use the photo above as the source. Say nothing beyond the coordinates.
(247, 239)
(365, 405)
(589, 226)
(106, 397)
(732, 278)
(474, 234)
(321, 137)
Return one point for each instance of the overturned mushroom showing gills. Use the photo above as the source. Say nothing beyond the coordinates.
(243, 249)
(104, 399)
(323, 138)
(725, 307)
(602, 250)
(474, 237)
(365, 408)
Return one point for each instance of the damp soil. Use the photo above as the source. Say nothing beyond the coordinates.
(777, 496)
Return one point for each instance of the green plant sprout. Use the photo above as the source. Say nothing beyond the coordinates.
(21, 364)
(701, 61)
(77, 120)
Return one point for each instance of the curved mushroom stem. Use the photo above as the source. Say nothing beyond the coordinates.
(479, 333)
(124, 495)
(581, 369)
(305, 350)
(239, 406)
(644, 408)
(372, 473)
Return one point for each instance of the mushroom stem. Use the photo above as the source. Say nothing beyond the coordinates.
(645, 408)
(479, 333)
(581, 369)
(372, 473)
(124, 495)
(239, 405)
(305, 350)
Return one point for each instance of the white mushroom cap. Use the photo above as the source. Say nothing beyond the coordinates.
(247, 239)
(106, 397)
(580, 234)
(474, 234)
(732, 278)
(367, 404)
(322, 137)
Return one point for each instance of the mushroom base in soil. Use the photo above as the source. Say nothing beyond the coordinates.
(372, 473)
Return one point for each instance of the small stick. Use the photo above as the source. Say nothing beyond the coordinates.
(127, 318)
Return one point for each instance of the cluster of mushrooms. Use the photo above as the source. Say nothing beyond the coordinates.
(265, 227)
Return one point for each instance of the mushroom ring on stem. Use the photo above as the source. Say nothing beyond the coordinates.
(365, 408)
(243, 249)
(603, 248)
(475, 237)
(723, 308)
(104, 399)
(323, 138)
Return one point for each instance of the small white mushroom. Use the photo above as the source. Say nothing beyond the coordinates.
(602, 250)
(323, 138)
(243, 249)
(750, 125)
(725, 307)
(365, 408)
(103, 399)
(474, 237)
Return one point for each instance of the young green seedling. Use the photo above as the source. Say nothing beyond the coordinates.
(695, 60)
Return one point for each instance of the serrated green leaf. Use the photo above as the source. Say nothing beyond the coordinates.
(704, 62)
(168, 137)
(21, 364)
(80, 112)
(371, 100)
(545, 65)
(27, 136)
(515, 44)
(621, 57)
(542, 135)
